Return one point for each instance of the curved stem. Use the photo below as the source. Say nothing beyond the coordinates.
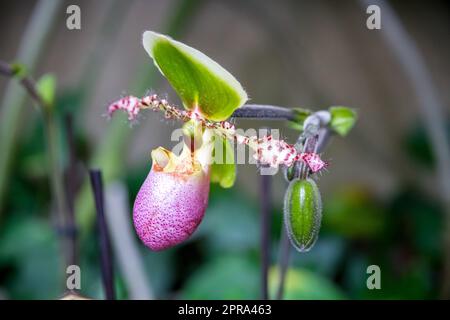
(12, 107)
(27, 82)
(62, 215)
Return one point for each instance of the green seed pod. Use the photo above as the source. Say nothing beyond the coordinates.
(302, 213)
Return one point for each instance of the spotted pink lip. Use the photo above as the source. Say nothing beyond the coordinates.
(169, 207)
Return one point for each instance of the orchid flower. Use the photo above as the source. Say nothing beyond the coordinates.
(172, 200)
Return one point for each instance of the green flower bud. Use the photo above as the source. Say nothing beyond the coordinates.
(302, 213)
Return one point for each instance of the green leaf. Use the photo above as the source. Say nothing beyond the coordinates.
(46, 89)
(342, 119)
(224, 172)
(199, 81)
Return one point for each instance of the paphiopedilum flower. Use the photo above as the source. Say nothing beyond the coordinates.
(172, 200)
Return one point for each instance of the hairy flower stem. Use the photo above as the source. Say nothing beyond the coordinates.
(268, 151)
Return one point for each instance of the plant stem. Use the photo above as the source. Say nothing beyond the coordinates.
(54, 168)
(27, 83)
(105, 246)
(261, 112)
(70, 188)
(284, 249)
(266, 205)
(12, 108)
(57, 184)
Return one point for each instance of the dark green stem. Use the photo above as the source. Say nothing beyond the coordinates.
(261, 112)
(266, 206)
(105, 243)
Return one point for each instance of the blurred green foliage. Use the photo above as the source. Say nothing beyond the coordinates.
(354, 214)
(417, 145)
(400, 232)
(305, 285)
(46, 87)
(29, 259)
(224, 277)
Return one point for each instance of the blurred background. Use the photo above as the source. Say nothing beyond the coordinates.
(384, 194)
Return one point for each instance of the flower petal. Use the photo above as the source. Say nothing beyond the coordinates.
(170, 206)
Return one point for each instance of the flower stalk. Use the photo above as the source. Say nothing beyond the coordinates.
(55, 172)
(105, 243)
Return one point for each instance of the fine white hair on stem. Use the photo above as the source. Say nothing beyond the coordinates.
(268, 149)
